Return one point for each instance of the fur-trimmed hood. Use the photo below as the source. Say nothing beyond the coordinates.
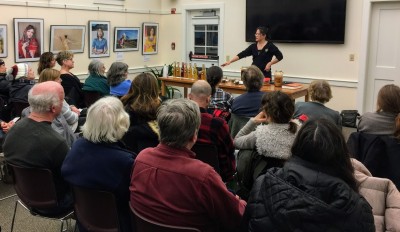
(274, 140)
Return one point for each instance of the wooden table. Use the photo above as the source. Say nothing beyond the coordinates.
(231, 88)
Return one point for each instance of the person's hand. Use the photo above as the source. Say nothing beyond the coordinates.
(75, 110)
(3, 125)
(226, 63)
(24, 45)
(260, 118)
(268, 66)
(6, 126)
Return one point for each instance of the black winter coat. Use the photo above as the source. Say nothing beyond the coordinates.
(302, 197)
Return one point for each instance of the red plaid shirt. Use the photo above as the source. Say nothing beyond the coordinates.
(216, 131)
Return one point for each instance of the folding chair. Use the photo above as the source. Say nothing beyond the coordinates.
(95, 210)
(146, 225)
(36, 191)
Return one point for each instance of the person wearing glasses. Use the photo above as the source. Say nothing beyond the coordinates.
(264, 52)
(70, 82)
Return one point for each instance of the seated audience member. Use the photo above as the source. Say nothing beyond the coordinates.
(320, 93)
(170, 186)
(66, 122)
(219, 98)
(275, 138)
(249, 103)
(47, 60)
(314, 191)
(214, 130)
(100, 152)
(116, 77)
(97, 81)
(33, 143)
(386, 119)
(382, 195)
(4, 82)
(70, 113)
(21, 84)
(141, 103)
(4, 96)
(71, 83)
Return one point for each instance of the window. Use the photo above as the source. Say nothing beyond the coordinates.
(206, 40)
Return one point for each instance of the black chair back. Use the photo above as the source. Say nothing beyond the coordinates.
(34, 186)
(91, 97)
(208, 153)
(17, 108)
(96, 210)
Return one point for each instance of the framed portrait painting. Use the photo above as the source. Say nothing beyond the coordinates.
(126, 39)
(150, 38)
(99, 39)
(67, 38)
(28, 39)
(3, 40)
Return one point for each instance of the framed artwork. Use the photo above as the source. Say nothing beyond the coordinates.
(126, 39)
(28, 39)
(67, 38)
(99, 39)
(150, 38)
(3, 40)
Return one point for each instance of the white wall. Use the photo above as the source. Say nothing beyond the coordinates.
(302, 62)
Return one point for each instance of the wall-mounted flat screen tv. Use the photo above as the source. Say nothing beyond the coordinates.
(298, 21)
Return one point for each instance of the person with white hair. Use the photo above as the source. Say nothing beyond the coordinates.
(97, 81)
(98, 160)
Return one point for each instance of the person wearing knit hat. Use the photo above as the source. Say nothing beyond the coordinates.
(23, 81)
(21, 70)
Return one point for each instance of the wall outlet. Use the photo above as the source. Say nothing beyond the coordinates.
(228, 58)
(351, 57)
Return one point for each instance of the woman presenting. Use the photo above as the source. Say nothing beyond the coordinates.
(264, 53)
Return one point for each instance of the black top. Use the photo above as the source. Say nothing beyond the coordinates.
(141, 133)
(263, 56)
(36, 144)
(73, 90)
(303, 196)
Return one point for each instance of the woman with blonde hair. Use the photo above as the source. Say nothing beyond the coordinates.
(141, 103)
(98, 160)
(320, 93)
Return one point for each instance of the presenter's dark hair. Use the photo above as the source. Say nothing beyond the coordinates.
(321, 142)
(264, 31)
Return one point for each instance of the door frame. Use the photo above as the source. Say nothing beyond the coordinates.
(186, 17)
(364, 45)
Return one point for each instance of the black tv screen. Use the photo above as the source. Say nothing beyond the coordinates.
(297, 21)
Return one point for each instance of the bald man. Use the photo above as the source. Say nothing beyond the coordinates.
(214, 130)
(31, 142)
